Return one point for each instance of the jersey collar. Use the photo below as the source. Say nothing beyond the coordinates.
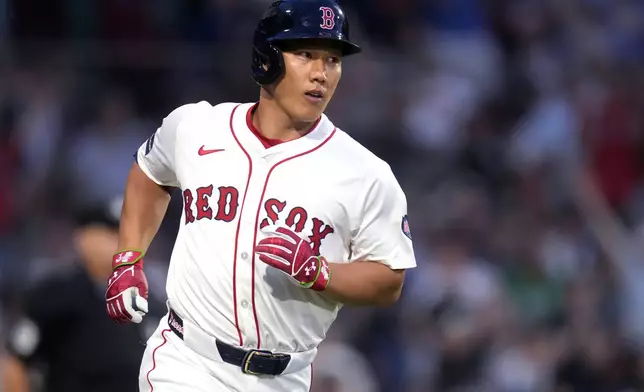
(248, 137)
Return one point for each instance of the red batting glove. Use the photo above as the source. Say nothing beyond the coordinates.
(288, 252)
(127, 288)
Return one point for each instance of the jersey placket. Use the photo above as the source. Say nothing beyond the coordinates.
(246, 276)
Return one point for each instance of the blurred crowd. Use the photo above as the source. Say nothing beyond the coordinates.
(515, 127)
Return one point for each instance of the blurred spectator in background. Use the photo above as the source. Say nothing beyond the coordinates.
(342, 368)
(101, 155)
(63, 330)
(623, 246)
(10, 165)
(460, 294)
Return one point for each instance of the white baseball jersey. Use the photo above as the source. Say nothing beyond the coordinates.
(324, 185)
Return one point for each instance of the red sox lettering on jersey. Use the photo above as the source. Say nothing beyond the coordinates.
(226, 207)
(325, 186)
(227, 203)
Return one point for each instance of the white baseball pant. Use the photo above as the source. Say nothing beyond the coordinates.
(169, 365)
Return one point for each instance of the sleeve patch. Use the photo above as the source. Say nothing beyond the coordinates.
(405, 226)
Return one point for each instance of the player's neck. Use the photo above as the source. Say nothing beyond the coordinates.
(274, 123)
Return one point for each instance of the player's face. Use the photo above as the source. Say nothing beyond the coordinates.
(311, 77)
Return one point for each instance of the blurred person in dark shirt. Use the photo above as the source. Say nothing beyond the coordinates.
(10, 205)
(9, 169)
(63, 332)
(599, 363)
(462, 293)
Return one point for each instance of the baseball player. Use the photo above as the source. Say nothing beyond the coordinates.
(286, 218)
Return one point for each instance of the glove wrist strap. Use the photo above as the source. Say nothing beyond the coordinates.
(323, 276)
(127, 257)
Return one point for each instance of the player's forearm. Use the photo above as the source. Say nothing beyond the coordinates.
(144, 207)
(364, 283)
(15, 375)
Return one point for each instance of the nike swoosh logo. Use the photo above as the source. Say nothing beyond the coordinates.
(202, 151)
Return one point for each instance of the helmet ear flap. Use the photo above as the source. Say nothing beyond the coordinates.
(268, 64)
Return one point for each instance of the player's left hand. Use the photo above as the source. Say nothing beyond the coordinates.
(285, 250)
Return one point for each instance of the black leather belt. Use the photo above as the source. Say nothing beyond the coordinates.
(250, 361)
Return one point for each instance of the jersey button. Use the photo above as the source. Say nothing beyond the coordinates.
(244, 304)
(244, 255)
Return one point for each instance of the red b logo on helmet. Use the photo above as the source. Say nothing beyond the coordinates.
(328, 18)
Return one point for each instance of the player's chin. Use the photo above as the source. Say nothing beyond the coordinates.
(311, 111)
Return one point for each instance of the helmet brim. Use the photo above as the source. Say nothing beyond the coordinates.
(291, 42)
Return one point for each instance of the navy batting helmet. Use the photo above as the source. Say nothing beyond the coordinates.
(295, 20)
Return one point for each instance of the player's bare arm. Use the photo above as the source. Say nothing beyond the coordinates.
(360, 283)
(364, 283)
(145, 203)
(144, 206)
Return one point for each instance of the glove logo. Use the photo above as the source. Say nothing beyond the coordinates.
(325, 272)
(123, 257)
(309, 270)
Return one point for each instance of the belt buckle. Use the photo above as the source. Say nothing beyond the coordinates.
(249, 356)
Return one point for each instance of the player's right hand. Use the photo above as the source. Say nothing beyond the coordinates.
(127, 288)
(285, 250)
